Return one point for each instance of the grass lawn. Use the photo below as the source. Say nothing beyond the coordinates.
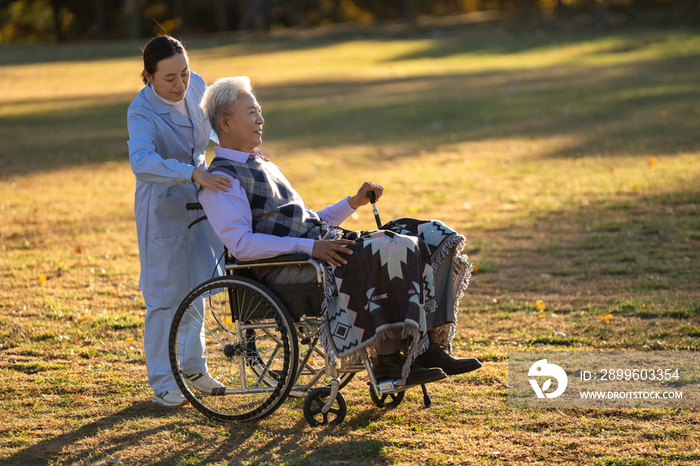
(571, 162)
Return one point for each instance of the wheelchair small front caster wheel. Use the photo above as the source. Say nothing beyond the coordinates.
(316, 400)
(390, 400)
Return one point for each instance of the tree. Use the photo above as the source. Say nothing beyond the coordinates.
(99, 10)
(133, 19)
(220, 15)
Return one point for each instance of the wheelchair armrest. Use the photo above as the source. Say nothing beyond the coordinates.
(193, 206)
(296, 257)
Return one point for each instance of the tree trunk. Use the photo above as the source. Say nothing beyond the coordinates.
(133, 19)
(181, 13)
(220, 15)
(56, 7)
(250, 14)
(99, 19)
(378, 9)
(407, 7)
(259, 12)
(323, 12)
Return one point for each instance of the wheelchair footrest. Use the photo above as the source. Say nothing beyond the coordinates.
(389, 386)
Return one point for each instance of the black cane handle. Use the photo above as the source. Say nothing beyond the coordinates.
(373, 200)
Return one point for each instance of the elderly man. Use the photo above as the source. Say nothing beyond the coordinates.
(395, 288)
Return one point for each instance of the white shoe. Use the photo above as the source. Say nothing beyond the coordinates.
(203, 382)
(171, 398)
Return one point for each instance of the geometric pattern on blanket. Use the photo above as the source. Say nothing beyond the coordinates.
(380, 294)
(441, 240)
(383, 289)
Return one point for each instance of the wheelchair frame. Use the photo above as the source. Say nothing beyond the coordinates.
(248, 336)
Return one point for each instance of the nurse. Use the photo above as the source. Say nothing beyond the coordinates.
(168, 137)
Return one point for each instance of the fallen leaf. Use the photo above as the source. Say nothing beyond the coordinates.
(475, 269)
(541, 316)
(540, 305)
(80, 395)
(78, 250)
(606, 318)
(42, 278)
(652, 161)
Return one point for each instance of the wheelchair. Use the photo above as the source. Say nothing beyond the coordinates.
(262, 343)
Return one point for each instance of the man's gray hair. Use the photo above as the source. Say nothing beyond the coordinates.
(221, 97)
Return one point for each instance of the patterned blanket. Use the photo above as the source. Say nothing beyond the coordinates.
(386, 288)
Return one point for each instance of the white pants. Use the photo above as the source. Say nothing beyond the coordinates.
(155, 342)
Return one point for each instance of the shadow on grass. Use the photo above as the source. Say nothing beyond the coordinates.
(643, 108)
(645, 247)
(292, 443)
(227, 444)
(625, 111)
(533, 41)
(53, 449)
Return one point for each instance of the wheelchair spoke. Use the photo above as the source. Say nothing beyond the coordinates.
(267, 366)
(240, 333)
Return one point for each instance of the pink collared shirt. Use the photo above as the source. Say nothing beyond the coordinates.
(230, 216)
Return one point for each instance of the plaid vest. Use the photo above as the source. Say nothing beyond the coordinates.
(276, 207)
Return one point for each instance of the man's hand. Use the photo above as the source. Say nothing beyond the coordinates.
(361, 197)
(209, 180)
(330, 250)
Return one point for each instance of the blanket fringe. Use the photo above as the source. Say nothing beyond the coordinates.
(325, 331)
(412, 353)
(462, 272)
(325, 338)
(454, 242)
(462, 275)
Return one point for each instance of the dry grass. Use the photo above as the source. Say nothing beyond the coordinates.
(572, 164)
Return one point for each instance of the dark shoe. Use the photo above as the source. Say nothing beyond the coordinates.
(389, 367)
(435, 356)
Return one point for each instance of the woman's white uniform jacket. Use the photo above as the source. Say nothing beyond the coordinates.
(164, 149)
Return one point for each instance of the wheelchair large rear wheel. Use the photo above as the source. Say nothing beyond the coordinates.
(240, 333)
